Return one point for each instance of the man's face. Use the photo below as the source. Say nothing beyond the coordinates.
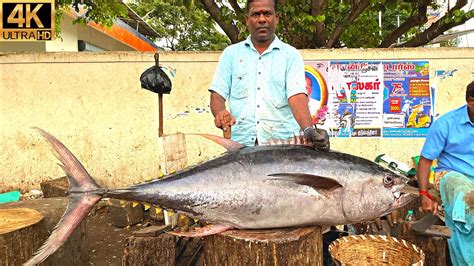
(262, 20)
(470, 104)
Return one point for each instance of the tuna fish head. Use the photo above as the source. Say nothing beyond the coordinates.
(373, 196)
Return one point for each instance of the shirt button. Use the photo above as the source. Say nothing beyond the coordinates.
(258, 122)
(259, 58)
(258, 88)
(258, 106)
(259, 72)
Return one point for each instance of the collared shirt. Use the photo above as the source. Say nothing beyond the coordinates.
(451, 141)
(257, 87)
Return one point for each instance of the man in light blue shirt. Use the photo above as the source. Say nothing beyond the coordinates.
(450, 140)
(263, 80)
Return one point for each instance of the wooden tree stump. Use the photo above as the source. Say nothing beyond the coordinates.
(150, 250)
(55, 188)
(435, 248)
(289, 246)
(19, 231)
(23, 230)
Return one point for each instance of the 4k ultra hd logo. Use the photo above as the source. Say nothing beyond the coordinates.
(27, 20)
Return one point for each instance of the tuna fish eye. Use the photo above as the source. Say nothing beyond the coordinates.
(388, 181)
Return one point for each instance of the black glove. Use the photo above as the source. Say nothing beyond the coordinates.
(319, 138)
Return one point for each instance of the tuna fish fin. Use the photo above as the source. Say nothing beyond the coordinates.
(314, 181)
(210, 229)
(77, 209)
(230, 145)
(84, 193)
(79, 178)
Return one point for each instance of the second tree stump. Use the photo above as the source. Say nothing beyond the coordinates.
(288, 246)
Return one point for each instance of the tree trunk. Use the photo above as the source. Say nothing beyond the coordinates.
(289, 246)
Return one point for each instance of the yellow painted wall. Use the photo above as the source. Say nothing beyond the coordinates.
(94, 104)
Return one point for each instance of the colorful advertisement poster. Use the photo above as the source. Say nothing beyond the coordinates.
(407, 105)
(354, 96)
(370, 98)
(316, 74)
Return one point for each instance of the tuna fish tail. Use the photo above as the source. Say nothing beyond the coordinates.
(84, 193)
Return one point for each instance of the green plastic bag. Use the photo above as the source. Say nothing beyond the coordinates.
(10, 196)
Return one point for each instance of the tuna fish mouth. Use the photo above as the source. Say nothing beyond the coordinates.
(403, 197)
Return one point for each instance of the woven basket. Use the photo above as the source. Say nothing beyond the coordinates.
(375, 250)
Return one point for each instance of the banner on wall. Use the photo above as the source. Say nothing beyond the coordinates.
(361, 98)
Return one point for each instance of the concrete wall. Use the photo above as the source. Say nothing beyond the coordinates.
(22, 46)
(94, 104)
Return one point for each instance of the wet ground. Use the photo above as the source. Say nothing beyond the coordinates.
(105, 241)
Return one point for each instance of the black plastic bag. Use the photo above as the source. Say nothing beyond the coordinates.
(155, 79)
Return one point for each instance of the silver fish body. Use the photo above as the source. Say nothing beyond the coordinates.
(251, 187)
(271, 186)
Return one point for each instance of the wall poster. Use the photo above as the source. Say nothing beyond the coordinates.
(362, 98)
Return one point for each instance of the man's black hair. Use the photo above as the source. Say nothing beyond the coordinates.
(275, 4)
(470, 90)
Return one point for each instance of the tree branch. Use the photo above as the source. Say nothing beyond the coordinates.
(230, 29)
(319, 36)
(357, 8)
(439, 27)
(417, 19)
(235, 6)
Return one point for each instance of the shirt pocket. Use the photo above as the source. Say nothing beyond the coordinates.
(277, 87)
(240, 83)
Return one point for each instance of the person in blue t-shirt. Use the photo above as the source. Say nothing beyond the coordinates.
(264, 82)
(450, 140)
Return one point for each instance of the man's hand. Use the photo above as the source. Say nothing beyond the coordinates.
(428, 205)
(224, 120)
(319, 138)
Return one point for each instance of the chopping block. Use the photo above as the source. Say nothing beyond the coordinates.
(25, 225)
(287, 246)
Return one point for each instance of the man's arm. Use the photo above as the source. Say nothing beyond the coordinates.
(423, 175)
(222, 118)
(299, 107)
(220, 89)
(432, 149)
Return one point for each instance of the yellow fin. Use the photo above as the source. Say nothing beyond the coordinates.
(158, 210)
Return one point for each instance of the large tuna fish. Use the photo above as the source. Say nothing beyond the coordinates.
(247, 187)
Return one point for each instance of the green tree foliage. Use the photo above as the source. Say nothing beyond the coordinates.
(345, 23)
(103, 12)
(184, 25)
(191, 24)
